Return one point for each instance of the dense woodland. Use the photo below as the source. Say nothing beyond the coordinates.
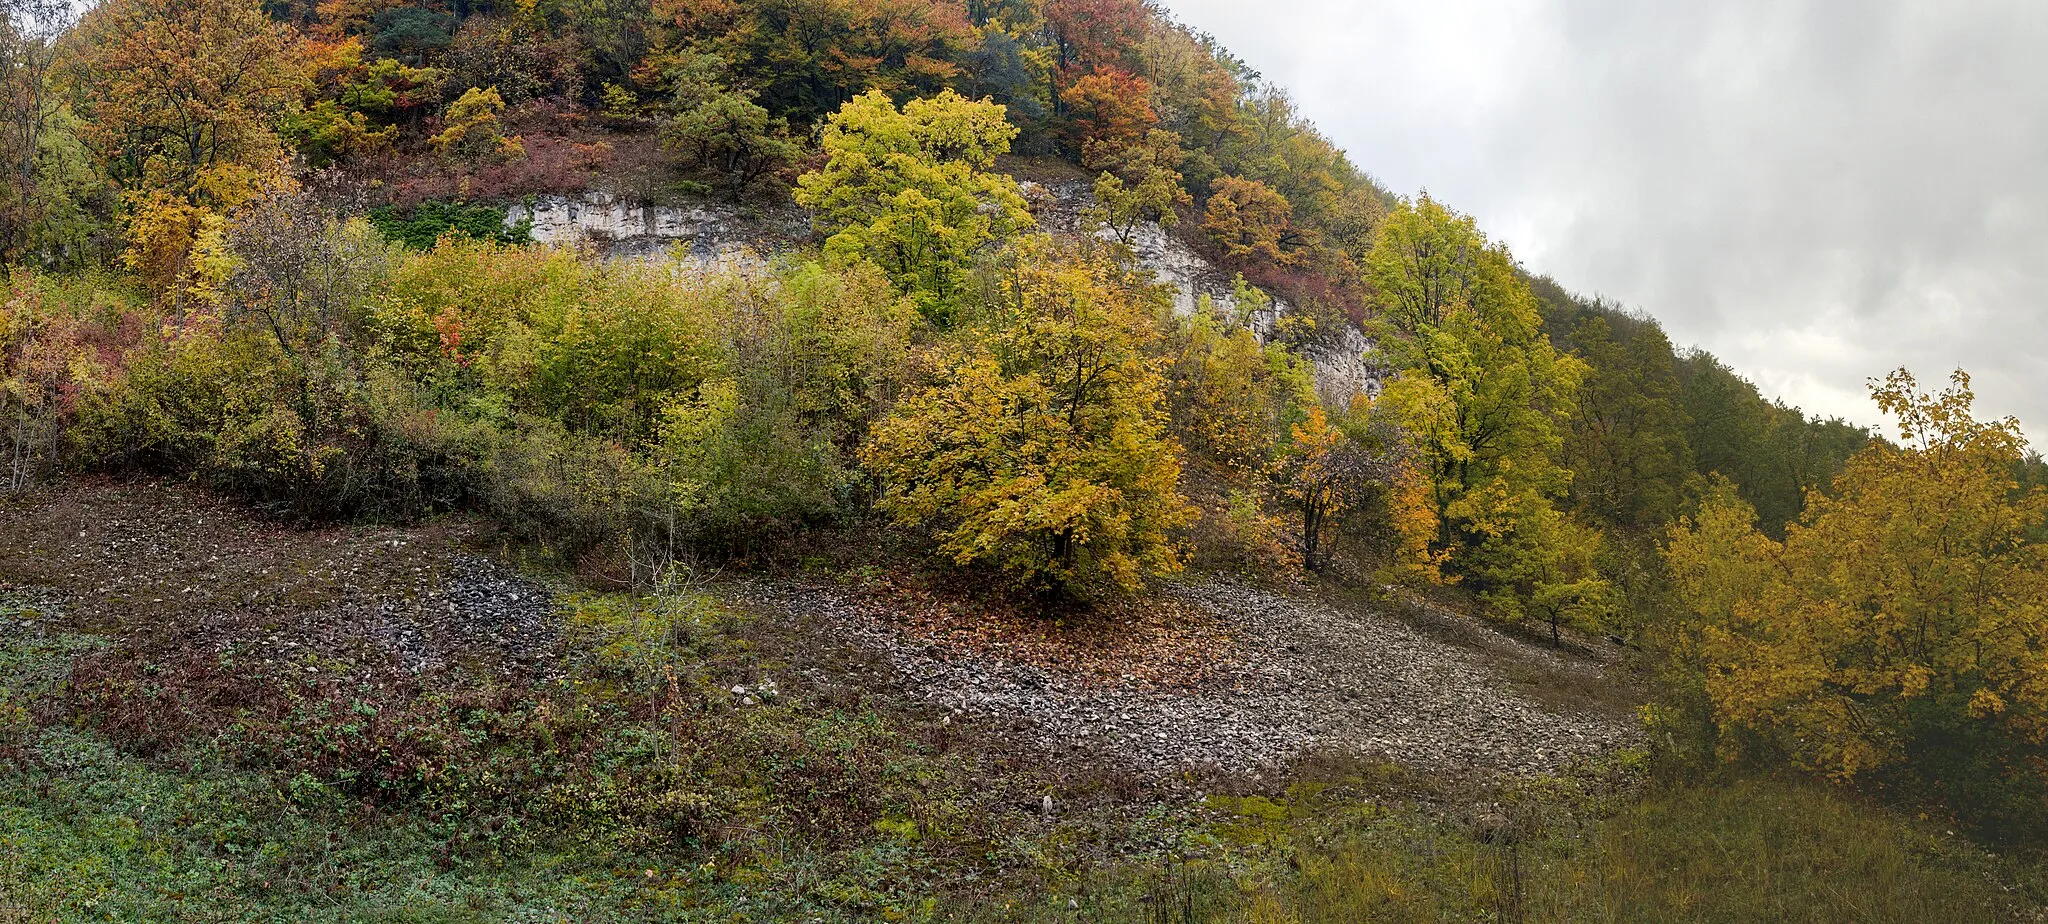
(262, 247)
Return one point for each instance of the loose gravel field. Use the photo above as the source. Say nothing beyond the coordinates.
(1304, 678)
(1220, 678)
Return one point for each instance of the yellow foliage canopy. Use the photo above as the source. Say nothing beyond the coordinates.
(909, 191)
(1912, 598)
(1041, 449)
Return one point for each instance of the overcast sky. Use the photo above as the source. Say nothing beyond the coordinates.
(1817, 191)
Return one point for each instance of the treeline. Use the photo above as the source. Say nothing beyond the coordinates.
(136, 132)
(1651, 417)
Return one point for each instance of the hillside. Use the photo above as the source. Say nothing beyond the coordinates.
(840, 460)
(351, 724)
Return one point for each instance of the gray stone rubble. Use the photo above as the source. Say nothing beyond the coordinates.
(1314, 679)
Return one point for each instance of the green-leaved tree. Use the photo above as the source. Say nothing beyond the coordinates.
(1483, 398)
(910, 190)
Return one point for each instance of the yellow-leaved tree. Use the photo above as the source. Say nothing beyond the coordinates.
(1904, 617)
(472, 128)
(181, 101)
(910, 190)
(1040, 446)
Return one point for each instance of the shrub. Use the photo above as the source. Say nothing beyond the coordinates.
(425, 224)
(59, 341)
(656, 408)
(1897, 626)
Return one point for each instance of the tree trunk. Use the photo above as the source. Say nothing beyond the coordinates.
(1311, 533)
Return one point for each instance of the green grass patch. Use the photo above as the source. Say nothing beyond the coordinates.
(1742, 850)
(637, 788)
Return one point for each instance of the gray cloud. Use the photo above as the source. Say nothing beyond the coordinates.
(1818, 191)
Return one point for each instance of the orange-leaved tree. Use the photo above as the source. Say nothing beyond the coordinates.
(1254, 222)
(1904, 617)
(1110, 109)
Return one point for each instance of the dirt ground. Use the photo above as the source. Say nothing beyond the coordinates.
(1211, 676)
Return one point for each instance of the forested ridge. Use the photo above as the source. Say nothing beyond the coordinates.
(262, 251)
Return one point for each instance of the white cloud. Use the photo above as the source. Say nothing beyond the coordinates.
(1817, 190)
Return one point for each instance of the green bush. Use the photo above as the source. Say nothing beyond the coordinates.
(315, 439)
(425, 224)
(579, 402)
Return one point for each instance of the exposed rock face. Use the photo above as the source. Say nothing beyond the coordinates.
(717, 233)
(1343, 366)
(1342, 358)
(623, 228)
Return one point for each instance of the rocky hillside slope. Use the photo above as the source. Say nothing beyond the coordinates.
(1219, 680)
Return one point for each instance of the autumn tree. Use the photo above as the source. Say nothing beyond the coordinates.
(1197, 92)
(1139, 183)
(1276, 146)
(612, 33)
(1107, 111)
(733, 135)
(49, 356)
(1095, 33)
(302, 272)
(1009, 66)
(1482, 397)
(175, 89)
(29, 30)
(1039, 448)
(767, 444)
(523, 56)
(355, 106)
(1901, 619)
(721, 128)
(2032, 471)
(181, 100)
(1324, 474)
(809, 57)
(1234, 398)
(471, 129)
(1253, 222)
(1532, 561)
(910, 191)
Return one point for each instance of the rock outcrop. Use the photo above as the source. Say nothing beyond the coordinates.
(623, 228)
(1342, 357)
